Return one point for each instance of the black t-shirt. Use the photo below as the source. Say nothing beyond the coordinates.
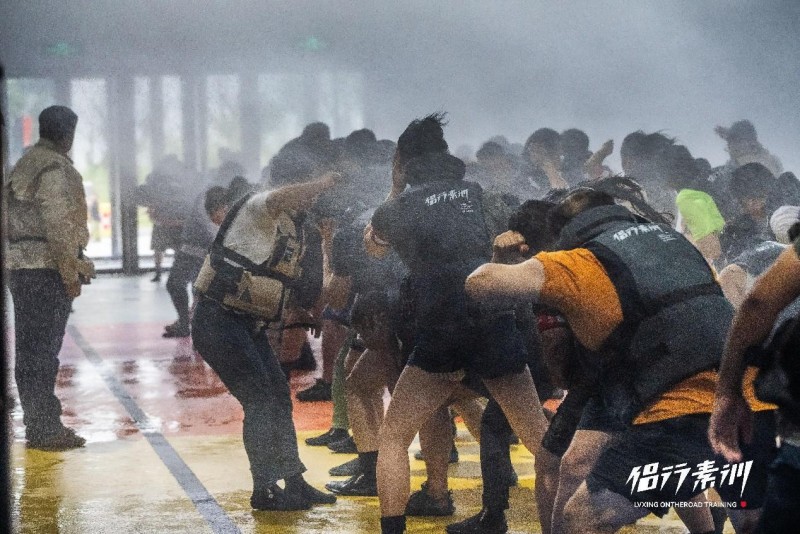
(438, 230)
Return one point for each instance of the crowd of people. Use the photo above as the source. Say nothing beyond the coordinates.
(637, 332)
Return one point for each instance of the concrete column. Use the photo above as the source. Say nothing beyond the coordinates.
(124, 171)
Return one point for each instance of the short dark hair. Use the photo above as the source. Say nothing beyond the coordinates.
(422, 136)
(57, 123)
(489, 150)
(575, 203)
(530, 220)
(742, 131)
(545, 137)
(316, 130)
(679, 168)
(574, 141)
(752, 180)
(216, 198)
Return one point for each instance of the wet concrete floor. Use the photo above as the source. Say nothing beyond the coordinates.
(164, 451)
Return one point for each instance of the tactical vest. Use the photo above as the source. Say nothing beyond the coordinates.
(674, 315)
(25, 210)
(238, 283)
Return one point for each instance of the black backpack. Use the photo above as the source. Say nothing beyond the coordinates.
(778, 381)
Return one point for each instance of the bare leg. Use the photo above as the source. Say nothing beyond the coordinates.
(469, 407)
(697, 519)
(333, 337)
(517, 396)
(435, 440)
(417, 395)
(367, 376)
(744, 521)
(576, 464)
(547, 467)
(603, 512)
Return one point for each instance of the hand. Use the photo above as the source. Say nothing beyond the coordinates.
(606, 149)
(371, 244)
(85, 270)
(73, 289)
(722, 132)
(557, 181)
(509, 247)
(731, 422)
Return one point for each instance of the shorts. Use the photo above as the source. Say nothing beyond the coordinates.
(489, 350)
(578, 411)
(637, 461)
(165, 237)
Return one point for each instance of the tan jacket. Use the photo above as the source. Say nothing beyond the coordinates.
(46, 214)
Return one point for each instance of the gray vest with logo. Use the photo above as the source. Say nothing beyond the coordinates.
(675, 317)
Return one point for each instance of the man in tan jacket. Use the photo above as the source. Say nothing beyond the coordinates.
(47, 232)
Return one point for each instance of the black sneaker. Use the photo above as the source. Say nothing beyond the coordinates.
(482, 523)
(344, 446)
(156, 278)
(359, 485)
(347, 469)
(422, 504)
(320, 391)
(63, 440)
(275, 499)
(453, 455)
(334, 434)
(314, 496)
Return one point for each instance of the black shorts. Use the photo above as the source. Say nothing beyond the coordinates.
(578, 411)
(645, 464)
(485, 350)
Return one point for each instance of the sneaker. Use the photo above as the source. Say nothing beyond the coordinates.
(347, 469)
(422, 504)
(314, 496)
(453, 455)
(359, 485)
(320, 391)
(275, 499)
(156, 278)
(64, 440)
(482, 523)
(334, 434)
(344, 446)
(176, 330)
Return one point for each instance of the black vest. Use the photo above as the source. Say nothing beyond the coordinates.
(675, 317)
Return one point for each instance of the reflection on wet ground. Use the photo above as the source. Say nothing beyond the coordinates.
(120, 484)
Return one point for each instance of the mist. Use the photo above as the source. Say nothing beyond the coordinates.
(508, 68)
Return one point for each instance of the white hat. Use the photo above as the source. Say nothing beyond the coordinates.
(782, 219)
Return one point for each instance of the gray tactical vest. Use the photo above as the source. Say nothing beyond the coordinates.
(675, 317)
